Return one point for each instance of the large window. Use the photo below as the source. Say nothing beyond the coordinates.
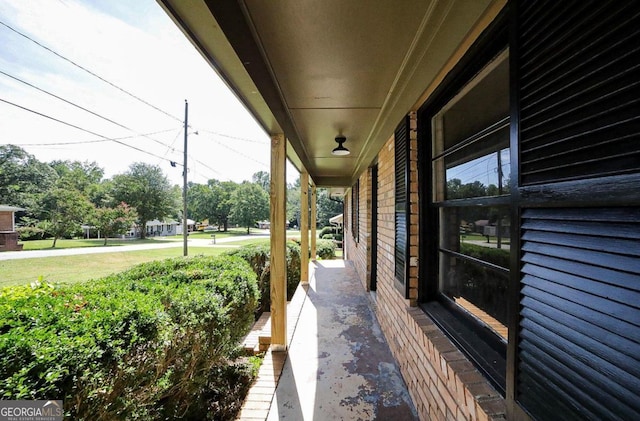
(471, 171)
(467, 215)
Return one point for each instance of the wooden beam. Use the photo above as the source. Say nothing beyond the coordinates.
(278, 280)
(304, 227)
(314, 222)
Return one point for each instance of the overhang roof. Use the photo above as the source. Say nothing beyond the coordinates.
(314, 70)
(7, 208)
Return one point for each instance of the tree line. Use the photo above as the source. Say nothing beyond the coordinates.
(60, 196)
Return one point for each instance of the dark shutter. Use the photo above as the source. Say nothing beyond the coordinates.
(402, 204)
(580, 338)
(355, 211)
(578, 348)
(579, 63)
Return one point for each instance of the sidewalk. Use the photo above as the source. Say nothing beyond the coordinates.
(338, 366)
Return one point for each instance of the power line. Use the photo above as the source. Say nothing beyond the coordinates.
(81, 142)
(243, 154)
(63, 100)
(232, 137)
(82, 129)
(80, 107)
(90, 72)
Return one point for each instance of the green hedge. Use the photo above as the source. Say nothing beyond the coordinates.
(154, 342)
(326, 249)
(257, 255)
(327, 230)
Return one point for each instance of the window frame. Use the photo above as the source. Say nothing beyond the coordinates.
(485, 349)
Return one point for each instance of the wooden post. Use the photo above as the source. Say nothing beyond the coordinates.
(278, 280)
(314, 222)
(304, 227)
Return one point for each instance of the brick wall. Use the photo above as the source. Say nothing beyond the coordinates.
(6, 221)
(443, 383)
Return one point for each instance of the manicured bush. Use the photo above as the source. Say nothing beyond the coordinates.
(326, 249)
(154, 342)
(328, 236)
(257, 255)
(327, 230)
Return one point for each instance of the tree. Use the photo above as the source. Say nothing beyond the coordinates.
(293, 202)
(23, 179)
(147, 189)
(65, 209)
(224, 192)
(327, 207)
(250, 204)
(83, 176)
(200, 203)
(114, 221)
(262, 179)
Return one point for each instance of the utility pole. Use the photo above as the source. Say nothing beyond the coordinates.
(185, 233)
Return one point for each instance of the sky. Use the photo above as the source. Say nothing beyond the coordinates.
(120, 72)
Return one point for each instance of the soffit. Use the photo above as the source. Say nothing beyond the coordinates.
(313, 70)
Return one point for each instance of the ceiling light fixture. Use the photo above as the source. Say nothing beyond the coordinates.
(340, 150)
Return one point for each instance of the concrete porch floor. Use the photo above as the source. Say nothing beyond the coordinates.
(338, 365)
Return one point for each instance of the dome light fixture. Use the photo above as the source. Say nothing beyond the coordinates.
(340, 150)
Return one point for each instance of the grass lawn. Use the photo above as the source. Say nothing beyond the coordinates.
(69, 244)
(81, 268)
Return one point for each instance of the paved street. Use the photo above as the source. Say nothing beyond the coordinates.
(29, 254)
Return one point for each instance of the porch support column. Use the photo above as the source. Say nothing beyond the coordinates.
(314, 221)
(278, 280)
(304, 228)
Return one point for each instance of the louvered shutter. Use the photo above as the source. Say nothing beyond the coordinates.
(402, 204)
(579, 64)
(579, 343)
(579, 340)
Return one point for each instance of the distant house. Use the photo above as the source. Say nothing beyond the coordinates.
(191, 226)
(8, 234)
(161, 228)
(337, 220)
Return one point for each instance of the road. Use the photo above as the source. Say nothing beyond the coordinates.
(30, 254)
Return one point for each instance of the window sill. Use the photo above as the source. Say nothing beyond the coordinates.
(483, 348)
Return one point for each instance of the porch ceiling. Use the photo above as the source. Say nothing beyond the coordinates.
(316, 69)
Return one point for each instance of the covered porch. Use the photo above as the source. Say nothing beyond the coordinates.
(338, 364)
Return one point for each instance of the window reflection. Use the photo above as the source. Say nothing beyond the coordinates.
(479, 290)
(484, 176)
(474, 260)
(473, 230)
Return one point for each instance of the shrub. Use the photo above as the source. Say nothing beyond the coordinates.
(326, 249)
(328, 236)
(154, 342)
(327, 230)
(257, 255)
(30, 233)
